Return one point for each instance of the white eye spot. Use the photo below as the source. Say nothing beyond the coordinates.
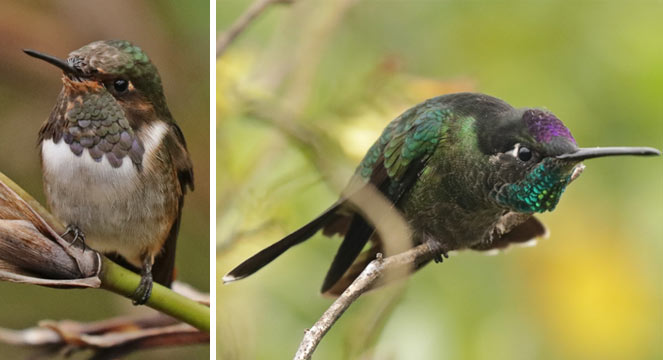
(514, 152)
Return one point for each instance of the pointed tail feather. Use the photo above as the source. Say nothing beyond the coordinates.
(267, 255)
(353, 272)
(356, 237)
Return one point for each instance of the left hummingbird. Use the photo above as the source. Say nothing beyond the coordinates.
(115, 164)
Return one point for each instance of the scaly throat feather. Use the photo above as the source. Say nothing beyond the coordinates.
(95, 122)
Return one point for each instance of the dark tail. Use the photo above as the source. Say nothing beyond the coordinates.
(355, 239)
(265, 256)
(355, 269)
(163, 270)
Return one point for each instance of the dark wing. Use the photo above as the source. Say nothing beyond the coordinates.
(163, 270)
(52, 128)
(180, 157)
(392, 165)
(518, 229)
(164, 263)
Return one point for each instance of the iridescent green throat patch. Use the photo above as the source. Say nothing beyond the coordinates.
(539, 191)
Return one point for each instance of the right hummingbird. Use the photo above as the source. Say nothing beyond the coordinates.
(465, 170)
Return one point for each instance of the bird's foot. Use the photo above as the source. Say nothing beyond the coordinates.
(438, 249)
(144, 289)
(76, 232)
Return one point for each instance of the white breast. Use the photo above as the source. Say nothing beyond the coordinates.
(82, 173)
(102, 200)
(85, 174)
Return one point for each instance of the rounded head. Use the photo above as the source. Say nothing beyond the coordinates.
(522, 146)
(111, 91)
(537, 129)
(117, 67)
(530, 154)
(113, 58)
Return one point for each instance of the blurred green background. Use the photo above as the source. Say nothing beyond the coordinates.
(304, 92)
(175, 35)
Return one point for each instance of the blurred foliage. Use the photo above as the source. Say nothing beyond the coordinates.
(175, 35)
(341, 70)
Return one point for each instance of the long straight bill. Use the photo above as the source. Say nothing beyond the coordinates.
(588, 153)
(53, 61)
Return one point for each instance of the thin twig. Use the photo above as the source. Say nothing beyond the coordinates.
(224, 39)
(365, 281)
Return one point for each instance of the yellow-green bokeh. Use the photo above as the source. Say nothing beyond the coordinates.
(592, 290)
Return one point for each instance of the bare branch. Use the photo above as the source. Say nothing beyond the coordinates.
(364, 282)
(224, 39)
(107, 338)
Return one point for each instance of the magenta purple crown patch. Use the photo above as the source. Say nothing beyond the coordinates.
(545, 126)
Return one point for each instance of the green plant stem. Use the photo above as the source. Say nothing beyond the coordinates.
(124, 282)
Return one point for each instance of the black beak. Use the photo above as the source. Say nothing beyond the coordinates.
(68, 69)
(588, 153)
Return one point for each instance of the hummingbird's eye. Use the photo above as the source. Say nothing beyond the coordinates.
(521, 152)
(120, 85)
(524, 153)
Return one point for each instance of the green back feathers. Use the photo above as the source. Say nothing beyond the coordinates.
(406, 143)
